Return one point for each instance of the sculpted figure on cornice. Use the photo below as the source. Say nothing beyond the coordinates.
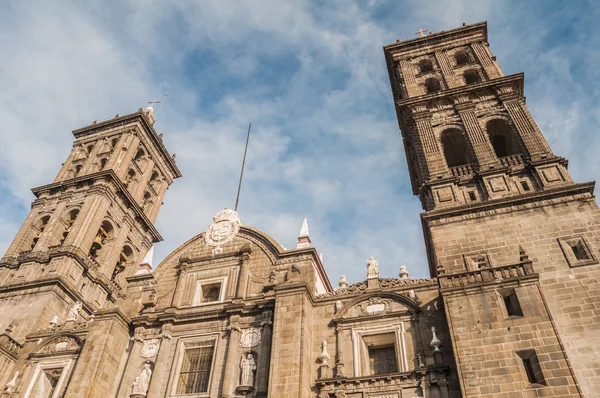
(360, 287)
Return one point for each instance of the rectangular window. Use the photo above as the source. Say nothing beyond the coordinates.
(195, 369)
(382, 360)
(578, 250)
(210, 292)
(46, 383)
(525, 186)
(511, 301)
(532, 367)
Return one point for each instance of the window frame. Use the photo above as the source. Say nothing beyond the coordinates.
(197, 297)
(360, 347)
(55, 363)
(187, 343)
(566, 244)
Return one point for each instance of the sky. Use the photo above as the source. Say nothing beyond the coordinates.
(311, 78)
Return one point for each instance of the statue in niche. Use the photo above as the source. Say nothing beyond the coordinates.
(372, 268)
(142, 382)
(248, 367)
(74, 312)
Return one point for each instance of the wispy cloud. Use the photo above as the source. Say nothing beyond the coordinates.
(312, 80)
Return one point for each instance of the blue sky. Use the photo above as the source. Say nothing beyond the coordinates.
(310, 76)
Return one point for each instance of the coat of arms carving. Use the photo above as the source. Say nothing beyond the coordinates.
(225, 227)
(150, 348)
(250, 338)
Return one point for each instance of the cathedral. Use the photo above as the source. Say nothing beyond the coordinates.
(512, 245)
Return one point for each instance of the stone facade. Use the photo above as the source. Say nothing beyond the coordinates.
(511, 308)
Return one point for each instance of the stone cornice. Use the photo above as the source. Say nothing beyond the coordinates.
(457, 91)
(437, 38)
(121, 190)
(128, 119)
(482, 209)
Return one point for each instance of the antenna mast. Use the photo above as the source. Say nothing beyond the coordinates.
(237, 199)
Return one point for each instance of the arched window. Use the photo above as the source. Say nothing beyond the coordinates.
(471, 76)
(103, 162)
(154, 175)
(78, 169)
(455, 148)
(114, 142)
(461, 57)
(130, 175)
(69, 221)
(39, 227)
(425, 66)
(502, 138)
(140, 153)
(432, 85)
(124, 258)
(147, 198)
(104, 233)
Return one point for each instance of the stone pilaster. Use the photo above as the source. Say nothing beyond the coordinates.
(96, 373)
(162, 366)
(409, 78)
(262, 373)
(528, 130)
(486, 61)
(447, 70)
(482, 148)
(232, 362)
(434, 160)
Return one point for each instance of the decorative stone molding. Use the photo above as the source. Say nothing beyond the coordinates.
(449, 282)
(150, 348)
(224, 229)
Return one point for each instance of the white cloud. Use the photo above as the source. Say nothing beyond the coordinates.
(312, 80)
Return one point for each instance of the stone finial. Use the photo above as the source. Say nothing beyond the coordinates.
(324, 357)
(372, 268)
(404, 274)
(149, 112)
(303, 236)
(343, 281)
(321, 257)
(435, 342)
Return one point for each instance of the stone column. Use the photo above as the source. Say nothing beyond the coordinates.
(528, 130)
(339, 356)
(443, 384)
(180, 285)
(262, 373)
(230, 381)
(162, 366)
(447, 70)
(486, 61)
(408, 74)
(482, 148)
(243, 279)
(429, 144)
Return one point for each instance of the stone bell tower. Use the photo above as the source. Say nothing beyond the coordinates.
(88, 229)
(512, 239)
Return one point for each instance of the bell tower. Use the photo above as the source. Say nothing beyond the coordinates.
(512, 239)
(90, 228)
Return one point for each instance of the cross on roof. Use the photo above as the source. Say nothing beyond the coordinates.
(153, 102)
(422, 32)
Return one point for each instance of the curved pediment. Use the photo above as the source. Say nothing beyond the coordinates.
(60, 344)
(378, 303)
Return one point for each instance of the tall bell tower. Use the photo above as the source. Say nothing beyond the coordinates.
(90, 228)
(511, 237)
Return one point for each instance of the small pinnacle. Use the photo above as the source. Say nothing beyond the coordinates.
(116, 116)
(94, 122)
(160, 135)
(174, 156)
(303, 237)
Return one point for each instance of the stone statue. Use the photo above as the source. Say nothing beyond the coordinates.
(11, 385)
(248, 367)
(372, 268)
(74, 312)
(142, 382)
(338, 306)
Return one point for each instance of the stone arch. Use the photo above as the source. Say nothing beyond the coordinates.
(461, 57)
(432, 85)
(104, 234)
(67, 222)
(454, 147)
(411, 305)
(61, 343)
(471, 76)
(502, 137)
(125, 259)
(425, 65)
(38, 228)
